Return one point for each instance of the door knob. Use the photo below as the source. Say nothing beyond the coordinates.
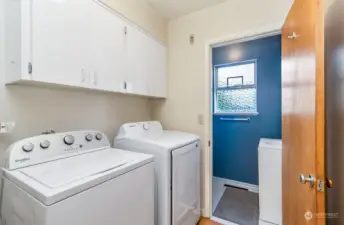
(328, 183)
(310, 180)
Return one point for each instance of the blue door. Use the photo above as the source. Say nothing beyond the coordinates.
(246, 106)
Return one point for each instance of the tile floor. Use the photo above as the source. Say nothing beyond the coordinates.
(218, 191)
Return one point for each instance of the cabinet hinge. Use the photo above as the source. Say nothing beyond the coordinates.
(125, 30)
(125, 85)
(30, 68)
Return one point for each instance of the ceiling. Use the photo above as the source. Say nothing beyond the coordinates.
(175, 8)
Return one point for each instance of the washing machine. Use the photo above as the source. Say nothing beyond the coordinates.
(75, 178)
(177, 168)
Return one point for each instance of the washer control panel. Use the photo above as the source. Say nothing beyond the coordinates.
(28, 147)
(50, 147)
(69, 139)
(99, 136)
(89, 137)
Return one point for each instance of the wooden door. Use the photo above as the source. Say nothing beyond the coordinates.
(303, 112)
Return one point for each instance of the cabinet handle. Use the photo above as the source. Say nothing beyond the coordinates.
(95, 77)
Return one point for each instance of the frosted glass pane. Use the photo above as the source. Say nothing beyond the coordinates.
(236, 101)
(247, 71)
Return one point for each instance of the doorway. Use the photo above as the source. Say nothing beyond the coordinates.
(246, 106)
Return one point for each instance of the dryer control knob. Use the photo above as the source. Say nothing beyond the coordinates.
(28, 147)
(45, 144)
(89, 137)
(69, 140)
(99, 136)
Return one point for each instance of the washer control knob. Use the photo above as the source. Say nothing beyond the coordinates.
(45, 144)
(69, 140)
(28, 147)
(99, 136)
(89, 137)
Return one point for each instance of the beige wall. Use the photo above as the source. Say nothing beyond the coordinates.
(37, 109)
(187, 82)
(186, 63)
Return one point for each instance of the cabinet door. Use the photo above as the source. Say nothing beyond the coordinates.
(137, 58)
(60, 41)
(147, 64)
(108, 34)
(157, 79)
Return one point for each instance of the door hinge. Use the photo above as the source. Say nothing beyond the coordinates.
(125, 30)
(125, 85)
(209, 143)
(30, 68)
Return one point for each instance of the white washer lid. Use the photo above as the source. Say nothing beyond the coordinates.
(57, 180)
(270, 143)
(170, 140)
(63, 172)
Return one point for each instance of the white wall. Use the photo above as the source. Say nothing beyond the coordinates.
(187, 81)
(36, 109)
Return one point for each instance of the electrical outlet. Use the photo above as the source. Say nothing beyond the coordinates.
(7, 127)
(200, 119)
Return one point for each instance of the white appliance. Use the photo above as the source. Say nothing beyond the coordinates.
(270, 180)
(75, 178)
(177, 166)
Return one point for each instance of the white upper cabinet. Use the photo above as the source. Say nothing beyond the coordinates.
(81, 43)
(136, 57)
(108, 50)
(60, 41)
(158, 70)
(146, 60)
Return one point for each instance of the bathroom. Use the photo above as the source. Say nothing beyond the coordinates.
(246, 111)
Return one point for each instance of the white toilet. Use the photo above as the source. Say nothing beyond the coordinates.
(270, 181)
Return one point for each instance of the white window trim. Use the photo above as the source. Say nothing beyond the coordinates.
(216, 67)
(236, 114)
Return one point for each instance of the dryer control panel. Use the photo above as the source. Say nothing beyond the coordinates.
(45, 148)
(140, 129)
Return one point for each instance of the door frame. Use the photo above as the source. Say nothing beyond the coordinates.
(208, 120)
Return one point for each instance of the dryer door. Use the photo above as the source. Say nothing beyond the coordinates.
(186, 185)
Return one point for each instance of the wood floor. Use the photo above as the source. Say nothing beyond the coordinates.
(205, 221)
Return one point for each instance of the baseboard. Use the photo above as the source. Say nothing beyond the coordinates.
(202, 213)
(250, 187)
(221, 221)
